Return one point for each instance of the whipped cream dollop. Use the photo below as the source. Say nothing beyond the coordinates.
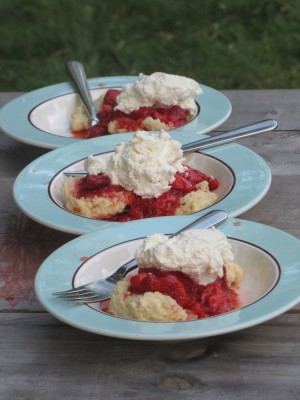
(145, 165)
(159, 89)
(200, 254)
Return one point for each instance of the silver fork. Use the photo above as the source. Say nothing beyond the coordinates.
(102, 289)
(220, 138)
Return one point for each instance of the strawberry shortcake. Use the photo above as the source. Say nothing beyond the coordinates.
(145, 177)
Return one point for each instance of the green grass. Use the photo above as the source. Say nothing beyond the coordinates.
(227, 44)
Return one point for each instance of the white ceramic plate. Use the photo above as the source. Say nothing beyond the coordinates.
(42, 117)
(270, 287)
(245, 179)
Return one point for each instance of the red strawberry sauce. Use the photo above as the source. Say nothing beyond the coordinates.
(203, 301)
(173, 117)
(138, 207)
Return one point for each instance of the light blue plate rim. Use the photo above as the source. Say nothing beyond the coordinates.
(58, 269)
(30, 190)
(14, 116)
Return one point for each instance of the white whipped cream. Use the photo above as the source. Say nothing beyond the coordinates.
(159, 89)
(200, 254)
(145, 165)
(95, 166)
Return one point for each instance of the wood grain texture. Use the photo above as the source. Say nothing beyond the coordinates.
(42, 358)
(256, 363)
(249, 106)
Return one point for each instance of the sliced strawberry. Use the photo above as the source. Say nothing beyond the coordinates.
(127, 124)
(92, 182)
(198, 310)
(106, 109)
(136, 213)
(143, 113)
(144, 282)
(213, 183)
(193, 175)
(181, 183)
(173, 287)
(110, 97)
(94, 131)
(166, 204)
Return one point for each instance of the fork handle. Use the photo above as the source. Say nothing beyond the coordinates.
(120, 272)
(206, 221)
(227, 137)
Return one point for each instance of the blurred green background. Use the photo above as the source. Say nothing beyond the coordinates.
(228, 44)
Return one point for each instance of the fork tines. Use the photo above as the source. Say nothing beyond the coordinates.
(81, 296)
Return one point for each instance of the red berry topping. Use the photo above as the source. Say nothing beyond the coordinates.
(203, 301)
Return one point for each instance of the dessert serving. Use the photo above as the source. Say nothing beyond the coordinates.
(152, 103)
(185, 277)
(145, 177)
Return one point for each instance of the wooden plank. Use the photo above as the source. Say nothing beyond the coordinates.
(280, 207)
(23, 247)
(45, 359)
(249, 106)
(8, 96)
(280, 149)
(14, 155)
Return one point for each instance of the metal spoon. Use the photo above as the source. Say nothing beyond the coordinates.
(78, 76)
(221, 138)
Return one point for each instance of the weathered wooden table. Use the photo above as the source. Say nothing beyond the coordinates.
(42, 358)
